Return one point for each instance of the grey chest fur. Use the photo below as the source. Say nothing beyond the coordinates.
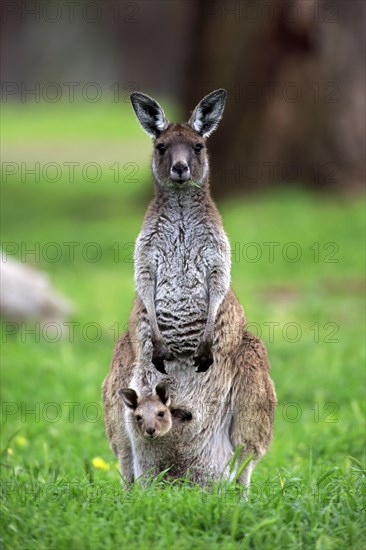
(182, 246)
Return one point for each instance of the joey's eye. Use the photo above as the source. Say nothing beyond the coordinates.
(161, 148)
(138, 418)
(161, 414)
(198, 147)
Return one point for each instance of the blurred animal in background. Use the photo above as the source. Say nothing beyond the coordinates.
(27, 294)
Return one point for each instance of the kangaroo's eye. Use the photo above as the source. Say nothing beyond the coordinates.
(161, 413)
(161, 148)
(198, 147)
(138, 418)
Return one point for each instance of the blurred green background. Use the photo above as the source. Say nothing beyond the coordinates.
(298, 269)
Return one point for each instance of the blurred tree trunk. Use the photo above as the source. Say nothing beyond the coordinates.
(294, 71)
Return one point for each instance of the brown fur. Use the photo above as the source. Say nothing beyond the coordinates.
(176, 138)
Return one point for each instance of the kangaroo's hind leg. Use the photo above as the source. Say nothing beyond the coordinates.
(119, 376)
(253, 403)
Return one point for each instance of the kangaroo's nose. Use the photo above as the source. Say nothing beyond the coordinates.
(180, 168)
(150, 431)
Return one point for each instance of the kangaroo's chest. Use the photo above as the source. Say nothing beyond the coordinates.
(183, 254)
(182, 261)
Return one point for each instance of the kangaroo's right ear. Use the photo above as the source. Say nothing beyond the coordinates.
(149, 113)
(129, 397)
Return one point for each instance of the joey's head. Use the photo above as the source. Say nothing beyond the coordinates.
(180, 157)
(150, 414)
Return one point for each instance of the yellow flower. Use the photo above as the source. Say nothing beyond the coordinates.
(100, 463)
(21, 441)
(116, 465)
(9, 451)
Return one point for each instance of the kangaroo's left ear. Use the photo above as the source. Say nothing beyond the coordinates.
(149, 113)
(206, 116)
(162, 391)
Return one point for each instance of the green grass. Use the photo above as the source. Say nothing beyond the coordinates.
(308, 491)
(28, 121)
(72, 120)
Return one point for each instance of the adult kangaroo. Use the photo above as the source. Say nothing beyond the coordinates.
(187, 328)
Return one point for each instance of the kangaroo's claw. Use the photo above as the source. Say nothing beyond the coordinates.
(203, 358)
(159, 364)
(161, 353)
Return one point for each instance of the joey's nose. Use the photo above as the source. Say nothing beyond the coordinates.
(150, 431)
(180, 171)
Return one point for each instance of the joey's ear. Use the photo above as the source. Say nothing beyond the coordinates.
(162, 391)
(129, 397)
(182, 415)
(206, 116)
(149, 113)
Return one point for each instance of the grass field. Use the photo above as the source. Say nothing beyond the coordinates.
(298, 266)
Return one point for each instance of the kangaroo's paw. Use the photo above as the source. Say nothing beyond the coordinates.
(203, 358)
(161, 353)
